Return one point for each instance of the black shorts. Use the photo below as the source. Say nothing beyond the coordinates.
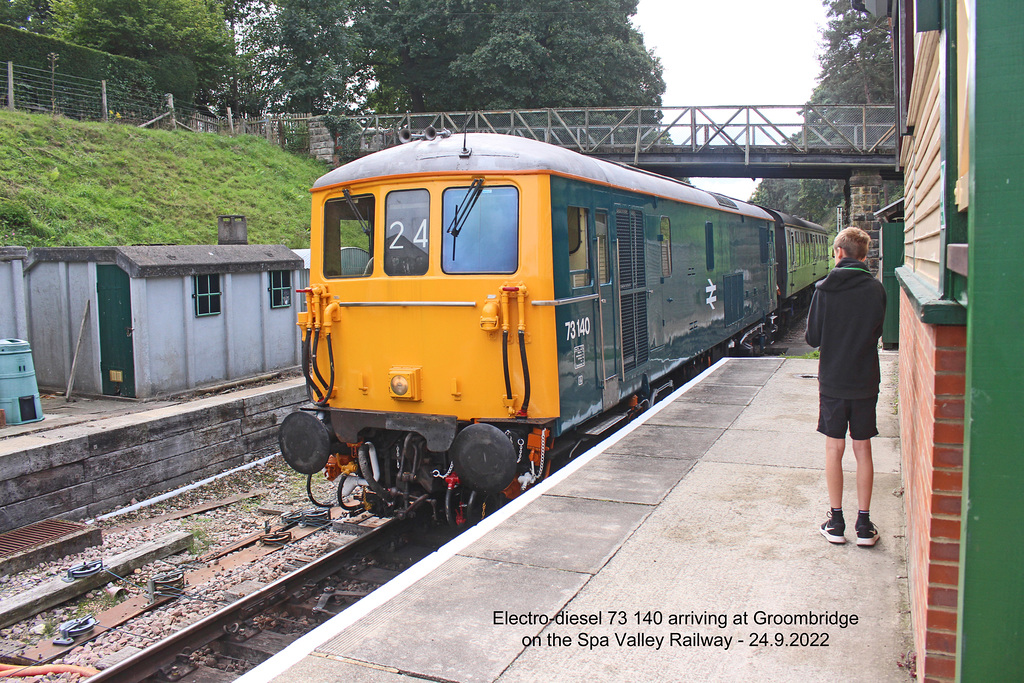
(834, 414)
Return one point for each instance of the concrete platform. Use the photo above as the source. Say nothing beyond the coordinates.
(673, 541)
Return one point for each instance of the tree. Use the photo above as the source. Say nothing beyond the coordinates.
(856, 58)
(435, 55)
(856, 68)
(183, 36)
(30, 15)
(301, 55)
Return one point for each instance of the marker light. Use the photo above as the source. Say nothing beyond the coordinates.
(399, 385)
(404, 383)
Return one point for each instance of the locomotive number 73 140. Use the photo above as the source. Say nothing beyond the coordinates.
(577, 328)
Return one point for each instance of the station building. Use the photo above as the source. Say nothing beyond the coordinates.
(960, 94)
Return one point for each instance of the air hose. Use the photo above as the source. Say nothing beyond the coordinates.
(311, 387)
(13, 670)
(330, 357)
(368, 473)
(309, 493)
(526, 374)
(504, 361)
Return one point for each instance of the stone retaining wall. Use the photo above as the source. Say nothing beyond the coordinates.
(84, 470)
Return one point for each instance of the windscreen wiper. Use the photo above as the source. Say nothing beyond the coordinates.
(459, 220)
(355, 209)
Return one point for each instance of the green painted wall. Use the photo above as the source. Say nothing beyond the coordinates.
(990, 635)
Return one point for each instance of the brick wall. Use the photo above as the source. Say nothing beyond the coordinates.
(321, 142)
(865, 200)
(932, 365)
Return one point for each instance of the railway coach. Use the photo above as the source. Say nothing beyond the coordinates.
(476, 299)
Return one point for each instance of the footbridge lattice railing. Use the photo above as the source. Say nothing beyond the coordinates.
(801, 129)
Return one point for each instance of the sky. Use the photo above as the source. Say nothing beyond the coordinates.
(734, 52)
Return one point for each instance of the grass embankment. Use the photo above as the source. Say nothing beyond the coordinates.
(67, 183)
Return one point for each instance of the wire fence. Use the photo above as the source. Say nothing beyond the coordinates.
(47, 91)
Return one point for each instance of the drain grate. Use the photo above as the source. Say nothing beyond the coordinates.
(18, 540)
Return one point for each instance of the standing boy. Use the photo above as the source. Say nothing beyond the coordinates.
(845, 321)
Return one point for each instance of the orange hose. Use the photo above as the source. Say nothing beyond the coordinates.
(12, 670)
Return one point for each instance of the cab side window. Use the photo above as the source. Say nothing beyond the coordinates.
(579, 247)
(348, 236)
(604, 271)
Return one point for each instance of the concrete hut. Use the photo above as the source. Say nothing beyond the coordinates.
(12, 293)
(160, 319)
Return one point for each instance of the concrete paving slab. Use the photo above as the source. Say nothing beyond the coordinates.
(693, 414)
(318, 667)
(729, 542)
(687, 443)
(721, 393)
(448, 628)
(625, 479)
(571, 534)
(805, 450)
(789, 403)
(746, 372)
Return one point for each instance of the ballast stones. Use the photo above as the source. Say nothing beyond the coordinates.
(305, 442)
(484, 458)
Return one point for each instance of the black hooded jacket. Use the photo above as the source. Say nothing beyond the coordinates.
(845, 322)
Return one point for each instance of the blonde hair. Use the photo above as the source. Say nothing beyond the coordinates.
(854, 242)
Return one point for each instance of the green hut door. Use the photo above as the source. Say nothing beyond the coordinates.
(117, 355)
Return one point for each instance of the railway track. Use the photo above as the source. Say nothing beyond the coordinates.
(223, 645)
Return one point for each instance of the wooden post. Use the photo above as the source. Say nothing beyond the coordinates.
(10, 85)
(78, 346)
(231, 122)
(170, 109)
(103, 96)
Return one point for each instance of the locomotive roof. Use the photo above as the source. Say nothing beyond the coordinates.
(506, 153)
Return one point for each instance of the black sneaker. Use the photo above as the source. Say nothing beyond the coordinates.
(833, 529)
(867, 534)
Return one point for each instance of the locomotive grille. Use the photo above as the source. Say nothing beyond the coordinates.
(632, 283)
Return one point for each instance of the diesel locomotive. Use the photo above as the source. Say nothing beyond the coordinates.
(479, 302)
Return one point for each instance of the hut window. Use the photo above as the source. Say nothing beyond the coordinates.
(206, 294)
(280, 288)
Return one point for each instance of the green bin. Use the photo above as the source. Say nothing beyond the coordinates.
(19, 393)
